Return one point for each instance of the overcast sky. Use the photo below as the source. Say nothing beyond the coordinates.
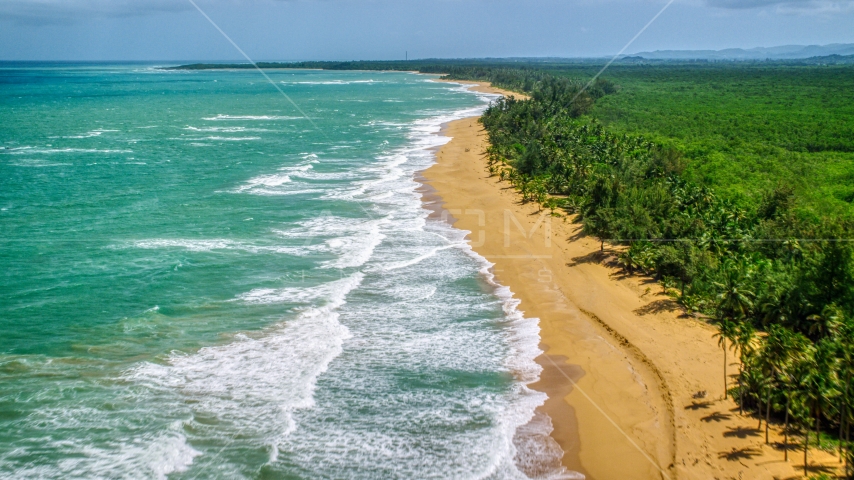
(386, 29)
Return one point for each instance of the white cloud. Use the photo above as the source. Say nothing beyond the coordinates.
(787, 6)
(67, 11)
(72, 11)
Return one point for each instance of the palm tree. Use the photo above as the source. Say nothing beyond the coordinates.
(846, 365)
(735, 299)
(816, 375)
(776, 352)
(754, 381)
(843, 407)
(744, 341)
(788, 385)
(727, 331)
(827, 323)
(826, 379)
(803, 371)
(806, 422)
(799, 351)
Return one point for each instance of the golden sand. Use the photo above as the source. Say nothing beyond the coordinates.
(635, 386)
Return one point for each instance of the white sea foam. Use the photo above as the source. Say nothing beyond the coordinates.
(352, 241)
(216, 138)
(538, 454)
(424, 138)
(264, 183)
(255, 385)
(418, 259)
(277, 184)
(398, 250)
(332, 82)
(527, 439)
(90, 134)
(185, 244)
(169, 455)
(217, 244)
(226, 129)
(38, 163)
(310, 174)
(250, 117)
(36, 150)
(280, 193)
(300, 295)
(147, 456)
(298, 168)
(389, 187)
(522, 443)
(405, 400)
(354, 251)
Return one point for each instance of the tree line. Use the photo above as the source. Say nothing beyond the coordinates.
(777, 283)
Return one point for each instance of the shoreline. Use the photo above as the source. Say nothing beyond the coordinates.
(635, 388)
(517, 269)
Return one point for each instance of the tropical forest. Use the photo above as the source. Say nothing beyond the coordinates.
(735, 200)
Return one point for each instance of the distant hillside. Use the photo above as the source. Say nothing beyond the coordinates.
(786, 52)
(836, 54)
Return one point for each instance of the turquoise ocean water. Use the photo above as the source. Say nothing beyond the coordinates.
(198, 283)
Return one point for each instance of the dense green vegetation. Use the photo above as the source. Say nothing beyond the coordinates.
(743, 130)
(756, 265)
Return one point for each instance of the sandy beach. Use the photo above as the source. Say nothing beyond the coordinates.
(635, 386)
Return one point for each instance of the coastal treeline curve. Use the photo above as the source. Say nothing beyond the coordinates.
(778, 283)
